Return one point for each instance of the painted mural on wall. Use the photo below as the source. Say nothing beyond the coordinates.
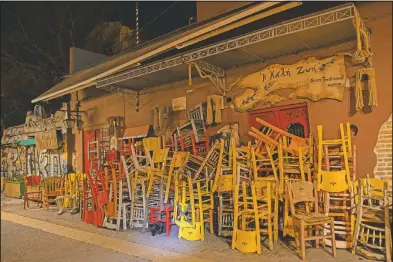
(44, 159)
(17, 162)
(312, 78)
(13, 134)
(37, 122)
(34, 122)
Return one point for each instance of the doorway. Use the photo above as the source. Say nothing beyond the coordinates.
(291, 118)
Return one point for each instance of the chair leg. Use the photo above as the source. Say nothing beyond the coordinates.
(270, 232)
(297, 242)
(302, 240)
(276, 219)
(333, 238)
(24, 202)
(150, 184)
(168, 222)
(124, 217)
(211, 221)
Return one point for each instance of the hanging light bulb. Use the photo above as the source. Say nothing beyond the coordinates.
(189, 89)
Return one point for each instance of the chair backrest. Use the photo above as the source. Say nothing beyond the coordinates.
(377, 188)
(242, 154)
(196, 113)
(261, 162)
(302, 192)
(160, 155)
(32, 180)
(54, 185)
(264, 190)
(152, 143)
(179, 159)
(333, 181)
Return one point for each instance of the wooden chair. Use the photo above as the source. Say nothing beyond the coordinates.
(176, 170)
(225, 213)
(188, 143)
(270, 135)
(71, 197)
(207, 169)
(335, 177)
(239, 170)
(53, 187)
(164, 216)
(157, 173)
(225, 171)
(185, 215)
(338, 202)
(247, 238)
(340, 147)
(303, 192)
(192, 134)
(204, 205)
(372, 235)
(33, 196)
(295, 163)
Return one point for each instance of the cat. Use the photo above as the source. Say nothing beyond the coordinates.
(157, 228)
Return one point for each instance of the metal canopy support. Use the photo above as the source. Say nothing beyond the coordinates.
(117, 89)
(205, 70)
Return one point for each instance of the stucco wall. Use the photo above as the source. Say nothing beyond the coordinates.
(328, 113)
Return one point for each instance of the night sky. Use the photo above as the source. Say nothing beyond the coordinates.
(34, 55)
(177, 16)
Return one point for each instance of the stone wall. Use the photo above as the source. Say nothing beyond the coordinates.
(383, 150)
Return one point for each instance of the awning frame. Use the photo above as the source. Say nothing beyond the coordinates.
(150, 49)
(293, 26)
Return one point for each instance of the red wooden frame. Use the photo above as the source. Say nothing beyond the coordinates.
(155, 212)
(195, 148)
(281, 116)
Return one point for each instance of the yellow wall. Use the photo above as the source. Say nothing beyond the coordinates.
(329, 113)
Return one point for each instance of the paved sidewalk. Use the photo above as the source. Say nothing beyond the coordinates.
(25, 244)
(213, 248)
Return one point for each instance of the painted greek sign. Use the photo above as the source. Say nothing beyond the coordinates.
(312, 78)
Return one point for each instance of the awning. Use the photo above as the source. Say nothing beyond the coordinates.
(303, 33)
(27, 142)
(136, 132)
(90, 75)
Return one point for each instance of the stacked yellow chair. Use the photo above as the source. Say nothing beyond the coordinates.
(190, 221)
(246, 237)
(372, 235)
(142, 164)
(253, 206)
(335, 181)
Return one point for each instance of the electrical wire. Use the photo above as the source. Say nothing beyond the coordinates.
(166, 10)
(151, 21)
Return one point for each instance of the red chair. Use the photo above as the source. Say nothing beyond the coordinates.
(35, 196)
(188, 144)
(164, 216)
